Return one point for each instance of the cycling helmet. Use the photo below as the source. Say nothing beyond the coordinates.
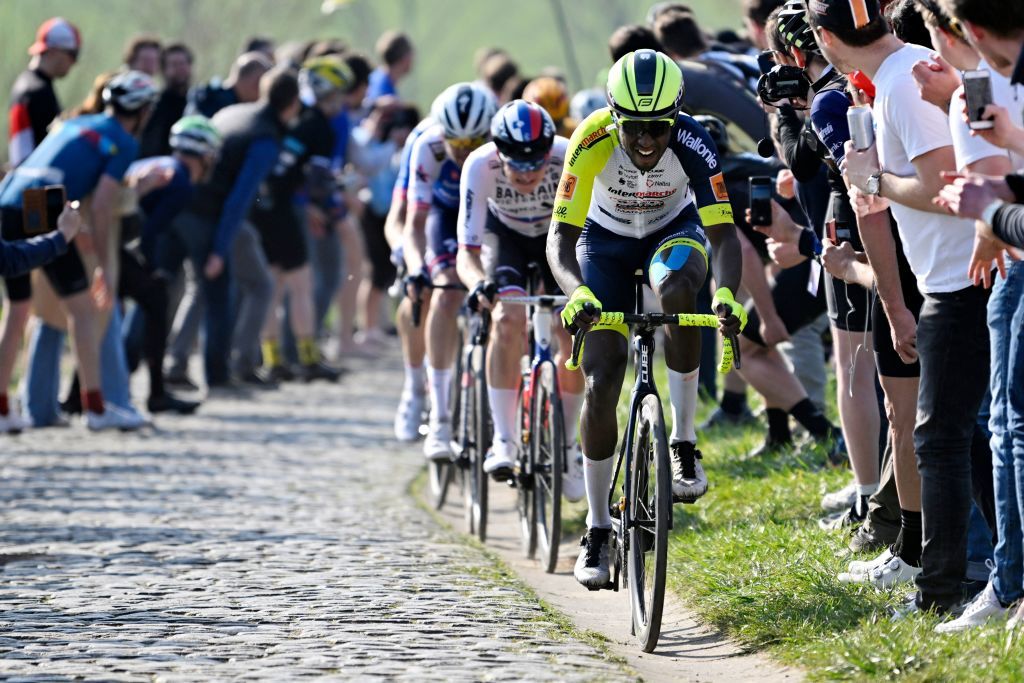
(324, 76)
(793, 26)
(549, 93)
(195, 135)
(523, 132)
(716, 129)
(465, 110)
(645, 85)
(586, 102)
(129, 91)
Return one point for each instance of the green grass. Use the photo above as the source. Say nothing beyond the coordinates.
(750, 559)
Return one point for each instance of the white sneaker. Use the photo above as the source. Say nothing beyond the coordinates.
(501, 457)
(14, 422)
(114, 418)
(437, 445)
(840, 500)
(688, 479)
(984, 608)
(862, 566)
(573, 487)
(884, 575)
(593, 565)
(409, 416)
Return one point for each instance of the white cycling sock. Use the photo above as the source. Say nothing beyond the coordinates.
(503, 412)
(682, 391)
(597, 475)
(415, 380)
(571, 405)
(440, 382)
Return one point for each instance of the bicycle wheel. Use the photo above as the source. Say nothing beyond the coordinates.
(524, 472)
(482, 441)
(467, 445)
(648, 515)
(548, 455)
(441, 473)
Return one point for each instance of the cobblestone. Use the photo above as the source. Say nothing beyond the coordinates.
(261, 539)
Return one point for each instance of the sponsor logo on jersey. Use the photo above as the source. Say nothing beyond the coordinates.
(651, 182)
(567, 188)
(587, 143)
(630, 194)
(437, 149)
(562, 211)
(692, 142)
(718, 187)
(627, 206)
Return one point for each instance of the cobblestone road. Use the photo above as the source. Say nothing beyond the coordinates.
(262, 539)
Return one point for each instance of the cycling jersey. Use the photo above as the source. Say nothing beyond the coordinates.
(33, 108)
(485, 189)
(435, 179)
(402, 181)
(601, 183)
(161, 205)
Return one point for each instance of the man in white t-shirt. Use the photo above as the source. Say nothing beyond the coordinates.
(913, 147)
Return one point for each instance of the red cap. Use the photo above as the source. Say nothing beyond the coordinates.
(56, 34)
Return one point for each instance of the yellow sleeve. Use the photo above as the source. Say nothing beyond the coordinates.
(589, 149)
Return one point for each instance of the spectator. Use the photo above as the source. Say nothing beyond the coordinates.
(755, 16)
(395, 52)
(497, 71)
(176, 68)
(242, 86)
(261, 44)
(143, 53)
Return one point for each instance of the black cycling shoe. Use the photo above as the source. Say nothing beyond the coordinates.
(169, 403)
(593, 566)
(180, 380)
(689, 482)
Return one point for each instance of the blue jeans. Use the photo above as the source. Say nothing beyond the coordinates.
(41, 385)
(1005, 320)
(114, 376)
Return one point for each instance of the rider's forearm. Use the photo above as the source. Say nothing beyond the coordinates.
(470, 267)
(880, 248)
(728, 256)
(561, 252)
(415, 240)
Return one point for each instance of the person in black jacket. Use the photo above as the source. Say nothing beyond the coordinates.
(176, 68)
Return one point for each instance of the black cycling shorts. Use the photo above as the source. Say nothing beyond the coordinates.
(796, 306)
(66, 273)
(849, 306)
(283, 236)
(510, 256)
(886, 359)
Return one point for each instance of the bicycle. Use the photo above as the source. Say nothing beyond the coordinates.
(642, 514)
(541, 462)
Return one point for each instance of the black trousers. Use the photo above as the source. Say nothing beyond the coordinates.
(149, 290)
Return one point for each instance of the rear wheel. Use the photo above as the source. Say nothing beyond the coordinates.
(648, 517)
(524, 473)
(548, 455)
(482, 441)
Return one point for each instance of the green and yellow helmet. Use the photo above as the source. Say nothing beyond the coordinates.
(645, 85)
(322, 76)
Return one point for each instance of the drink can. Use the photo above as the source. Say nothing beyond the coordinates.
(862, 127)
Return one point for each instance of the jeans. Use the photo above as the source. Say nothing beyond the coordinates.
(255, 287)
(953, 345)
(114, 377)
(190, 237)
(1006, 327)
(41, 384)
(326, 258)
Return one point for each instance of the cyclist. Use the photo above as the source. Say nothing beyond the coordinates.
(507, 194)
(463, 112)
(639, 181)
(303, 176)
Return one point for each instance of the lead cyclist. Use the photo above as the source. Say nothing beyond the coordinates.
(641, 183)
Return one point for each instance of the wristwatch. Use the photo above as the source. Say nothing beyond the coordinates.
(874, 184)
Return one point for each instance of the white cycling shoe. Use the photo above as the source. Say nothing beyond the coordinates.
(886, 571)
(573, 487)
(501, 458)
(593, 564)
(688, 479)
(437, 445)
(409, 416)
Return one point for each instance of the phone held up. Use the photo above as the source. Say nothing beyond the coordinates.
(41, 207)
(978, 93)
(761, 188)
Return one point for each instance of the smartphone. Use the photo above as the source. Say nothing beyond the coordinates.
(761, 188)
(41, 207)
(978, 93)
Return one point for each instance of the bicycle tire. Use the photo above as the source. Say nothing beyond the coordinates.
(648, 514)
(468, 453)
(524, 472)
(548, 456)
(440, 473)
(482, 441)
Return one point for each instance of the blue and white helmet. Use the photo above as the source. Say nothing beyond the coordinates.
(465, 110)
(130, 91)
(523, 132)
(586, 102)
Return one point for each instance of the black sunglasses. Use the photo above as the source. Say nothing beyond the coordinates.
(655, 129)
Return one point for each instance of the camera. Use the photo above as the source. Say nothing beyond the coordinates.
(782, 82)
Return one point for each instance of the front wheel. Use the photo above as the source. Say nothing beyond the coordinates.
(481, 418)
(525, 509)
(547, 445)
(648, 518)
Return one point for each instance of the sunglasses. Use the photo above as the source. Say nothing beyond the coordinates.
(466, 144)
(525, 166)
(655, 129)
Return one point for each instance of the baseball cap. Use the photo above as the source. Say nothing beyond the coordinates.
(844, 14)
(56, 34)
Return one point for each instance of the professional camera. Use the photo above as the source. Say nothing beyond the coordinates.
(781, 83)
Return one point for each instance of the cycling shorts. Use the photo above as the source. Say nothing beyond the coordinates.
(608, 260)
(66, 273)
(283, 236)
(795, 304)
(849, 306)
(887, 360)
(442, 238)
(509, 256)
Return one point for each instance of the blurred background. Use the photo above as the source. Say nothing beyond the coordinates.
(446, 33)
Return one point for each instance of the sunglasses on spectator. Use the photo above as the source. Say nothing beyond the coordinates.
(467, 144)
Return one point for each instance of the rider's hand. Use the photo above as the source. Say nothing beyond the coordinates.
(574, 314)
(482, 296)
(732, 316)
(414, 284)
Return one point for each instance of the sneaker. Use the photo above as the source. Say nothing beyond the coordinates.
(862, 566)
(278, 373)
(437, 445)
(320, 371)
(838, 521)
(981, 610)
(573, 487)
(1018, 617)
(840, 500)
(169, 403)
(180, 379)
(688, 479)
(884, 575)
(409, 416)
(501, 459)
(113, 417)
(14, 422)
(720, 418)
(592, 568)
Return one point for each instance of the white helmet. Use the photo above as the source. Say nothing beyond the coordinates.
(586, 102)
(130, 91)
(465, 110)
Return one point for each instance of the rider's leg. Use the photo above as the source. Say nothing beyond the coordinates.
(442, 333)
(504, 352)
(414, 347)
(604, 366)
